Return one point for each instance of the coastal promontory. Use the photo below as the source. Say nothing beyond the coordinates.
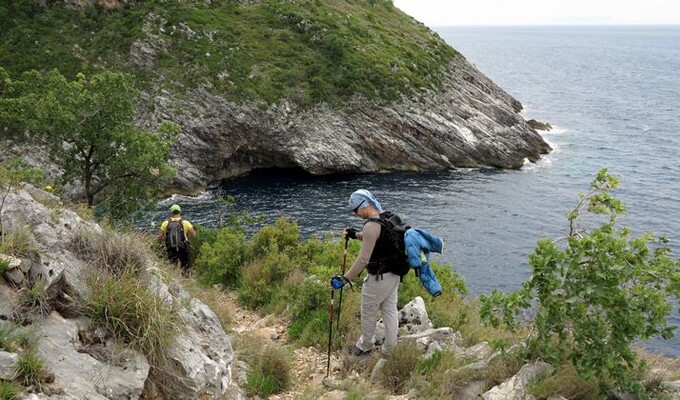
(326, 87)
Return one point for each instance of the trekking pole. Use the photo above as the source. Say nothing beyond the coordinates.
(344, 265)
(330, 334)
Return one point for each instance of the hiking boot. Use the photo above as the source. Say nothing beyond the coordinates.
(357, 352)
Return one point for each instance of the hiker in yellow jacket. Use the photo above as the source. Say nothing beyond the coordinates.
(176, 233)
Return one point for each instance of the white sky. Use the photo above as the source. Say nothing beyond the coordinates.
(541, 12)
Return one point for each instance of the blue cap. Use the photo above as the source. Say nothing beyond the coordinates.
(363, 198)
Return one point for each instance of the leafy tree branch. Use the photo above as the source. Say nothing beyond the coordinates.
(89, 124)
(596, 296)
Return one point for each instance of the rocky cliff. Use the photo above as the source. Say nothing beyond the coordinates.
(326, 87)
(471, 122)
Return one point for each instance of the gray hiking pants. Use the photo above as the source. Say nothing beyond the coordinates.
(380, 293)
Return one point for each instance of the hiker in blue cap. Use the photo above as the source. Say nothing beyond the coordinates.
(176, 233)
(379, 290)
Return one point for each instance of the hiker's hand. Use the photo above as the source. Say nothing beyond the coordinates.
(351, 233)
(338, 282)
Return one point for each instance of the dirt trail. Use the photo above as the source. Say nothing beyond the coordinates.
(309, 365)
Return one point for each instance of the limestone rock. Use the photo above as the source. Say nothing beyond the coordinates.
(671, 386)
(413, 317)
(470, 122)
(8, 300)
(472, 391)
(444, 335)
(82, 376)
(8, 365)
(479, 351)
(199, 362)
(84, 361)
(334, 395)
(14, 274)
(516, 387)
(377, 369)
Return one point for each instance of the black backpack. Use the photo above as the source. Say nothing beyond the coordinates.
(389, 254)
(174, 235)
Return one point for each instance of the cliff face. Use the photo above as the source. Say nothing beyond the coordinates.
(327, 87)
(471, 122)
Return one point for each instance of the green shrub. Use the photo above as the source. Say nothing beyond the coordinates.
(594, 298)
(309, 309)
(133, 312)
(262, 278)
(15, 170)
(270, 50)
(221, 259)
(282, 236)
(270, 372)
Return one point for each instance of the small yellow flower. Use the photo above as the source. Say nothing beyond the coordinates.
(48, 188)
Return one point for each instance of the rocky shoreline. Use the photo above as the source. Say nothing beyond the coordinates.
(470, 122)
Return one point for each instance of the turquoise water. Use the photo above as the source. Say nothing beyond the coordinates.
(612, 94)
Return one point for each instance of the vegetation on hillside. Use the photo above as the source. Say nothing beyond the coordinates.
(594, 298)
(88, 124)
(589, 303)
(306, 51)
(593, 301)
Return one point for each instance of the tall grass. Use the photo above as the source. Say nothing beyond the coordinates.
(33, 303)
(400, 366)
(17, 241)
(112, 251)
(133, 312)
(31, 370)
(4, 266)
(270, 366)
(566, 382)
(8, 390)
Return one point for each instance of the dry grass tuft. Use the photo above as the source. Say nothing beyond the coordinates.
(566, 382)
(112, 251)
(400, 366)
(270, 366)
(132, 312)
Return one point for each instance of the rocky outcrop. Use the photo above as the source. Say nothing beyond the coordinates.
(80, 374)
(469, 122)
(516, 387)
(84, 359)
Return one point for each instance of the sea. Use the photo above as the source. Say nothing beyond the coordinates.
(612, 95)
